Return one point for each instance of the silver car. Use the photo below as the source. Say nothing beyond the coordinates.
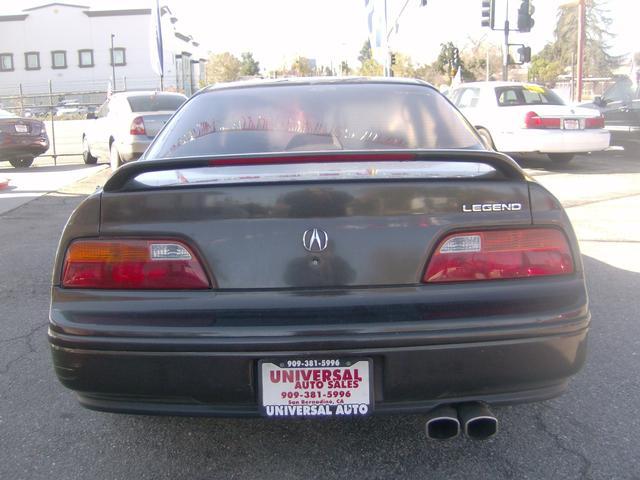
(125, 124)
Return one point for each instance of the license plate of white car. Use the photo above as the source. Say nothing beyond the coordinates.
(21, 128)
(318, 387)
(571, 124)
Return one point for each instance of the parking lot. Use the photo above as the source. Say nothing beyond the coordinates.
(593, 431)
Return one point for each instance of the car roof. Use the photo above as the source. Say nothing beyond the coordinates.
(495, 84)
(315, 81)
(135, 93)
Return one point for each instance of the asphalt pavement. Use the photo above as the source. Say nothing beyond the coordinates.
(593, 431)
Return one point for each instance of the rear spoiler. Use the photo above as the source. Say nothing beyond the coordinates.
(500, 162)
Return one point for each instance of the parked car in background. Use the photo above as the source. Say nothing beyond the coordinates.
(39, 111)
(516, 117)
(620, 106)
(319, 247)
(68, 107)
(124, 126)
(21, 139)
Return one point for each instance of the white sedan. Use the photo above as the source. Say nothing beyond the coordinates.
(124, 126)
(521, 118)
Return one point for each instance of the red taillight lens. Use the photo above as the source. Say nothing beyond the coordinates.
(594, 122)
(500, 254)
(137, 127)
(533, 120)
(132, 264)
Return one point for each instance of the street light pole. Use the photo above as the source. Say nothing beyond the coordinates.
(581, 35)
(505, 61)
(113, 64)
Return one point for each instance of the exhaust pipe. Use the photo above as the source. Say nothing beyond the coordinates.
(478, 422)
(442, 423)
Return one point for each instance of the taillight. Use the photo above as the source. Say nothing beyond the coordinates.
(533, 120)
(137, 127)
(500, 254)
(594, 122)
(132, 264)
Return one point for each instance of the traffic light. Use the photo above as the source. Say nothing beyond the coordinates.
(488, 13)
(525, 54)
(525, 19)
(455, 58)
(393, 59)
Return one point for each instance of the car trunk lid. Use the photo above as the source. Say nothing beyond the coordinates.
(21, 127)
(325, 228)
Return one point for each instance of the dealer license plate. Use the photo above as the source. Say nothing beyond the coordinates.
(319, 387)
(21, 128)
(571, 124)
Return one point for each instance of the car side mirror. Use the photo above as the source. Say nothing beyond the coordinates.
(91, 116)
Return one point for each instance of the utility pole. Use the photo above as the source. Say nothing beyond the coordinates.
(505, 60)
(113, 64)
(581, 35)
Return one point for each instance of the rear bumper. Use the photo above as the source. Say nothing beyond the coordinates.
(406, 379)
(24, 147)
(133, 147)
(417, 364)
(552, 141)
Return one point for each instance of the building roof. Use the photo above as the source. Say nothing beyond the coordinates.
(54, 4)
(117, 13)
(13, 18)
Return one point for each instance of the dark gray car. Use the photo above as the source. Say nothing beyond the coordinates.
(319, 248)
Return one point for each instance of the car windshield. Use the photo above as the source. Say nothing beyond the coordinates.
(279, 118)
(5, 114)
(526, 95)
(155, 103)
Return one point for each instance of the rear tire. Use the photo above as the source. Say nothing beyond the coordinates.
(487, 141)
(22, 162)
(114, 157)
(86, 153)
(561, 158)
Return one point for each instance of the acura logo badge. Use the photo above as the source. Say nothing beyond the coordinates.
(315, 240)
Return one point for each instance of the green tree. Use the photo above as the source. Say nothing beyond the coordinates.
(301, 67)
(345, 69)
(365, 53)
(327, 72)
(444, 61)
(371, 68)
(597, 59)
(249, 67)
(403, 67)
(429, 73)
(223, 67)
(475, 57)
(544, 69)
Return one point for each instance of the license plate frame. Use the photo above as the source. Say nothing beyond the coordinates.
(20, 128)
(272, 405)
(571, 124)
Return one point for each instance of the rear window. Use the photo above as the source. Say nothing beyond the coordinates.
(155, 103)
(526, 95)
(284, 118)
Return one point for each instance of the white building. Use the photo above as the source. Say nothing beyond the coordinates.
(70, 45)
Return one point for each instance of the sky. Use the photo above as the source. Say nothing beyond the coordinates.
(334, 30)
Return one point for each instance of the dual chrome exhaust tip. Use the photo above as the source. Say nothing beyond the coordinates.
(474, 419)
